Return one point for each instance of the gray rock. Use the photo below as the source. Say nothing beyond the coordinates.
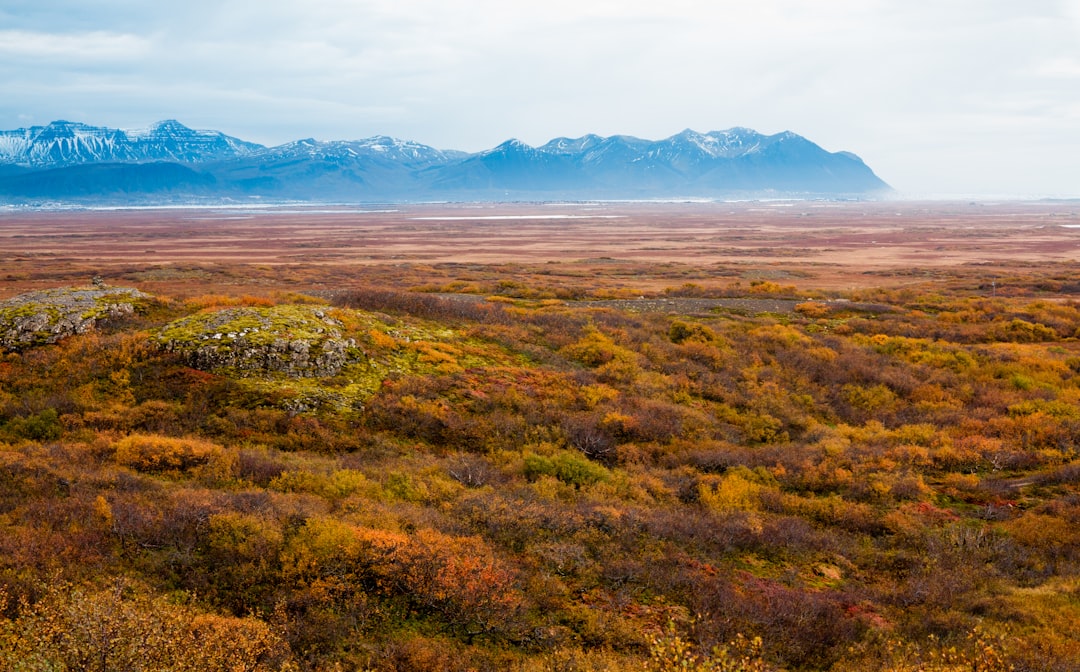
(48, 316)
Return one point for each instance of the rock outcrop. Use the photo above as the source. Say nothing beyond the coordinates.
(296, 341)
(39, 318)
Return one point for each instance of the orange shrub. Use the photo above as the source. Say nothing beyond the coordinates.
(812, 309)
(222, 301)
(154, 453)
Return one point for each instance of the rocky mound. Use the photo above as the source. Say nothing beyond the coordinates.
(297, 341)
(38, 318)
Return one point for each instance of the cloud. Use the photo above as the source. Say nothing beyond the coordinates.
(1058, 68)
(877, 77)
(80, 48)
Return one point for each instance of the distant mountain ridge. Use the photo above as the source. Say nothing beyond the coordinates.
(65, 161)
(65, 143)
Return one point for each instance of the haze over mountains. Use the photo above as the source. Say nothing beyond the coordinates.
(169, 162)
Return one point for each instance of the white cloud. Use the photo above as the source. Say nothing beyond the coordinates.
(919, 90)
(80, 48)
(1064, 68)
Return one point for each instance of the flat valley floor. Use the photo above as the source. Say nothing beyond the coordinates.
(633, 246)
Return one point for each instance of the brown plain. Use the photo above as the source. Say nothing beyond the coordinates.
(646, 246)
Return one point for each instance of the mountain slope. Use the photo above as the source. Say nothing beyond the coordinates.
(110, 182)
(513, 166)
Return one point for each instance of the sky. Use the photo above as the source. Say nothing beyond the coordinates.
(943, 98)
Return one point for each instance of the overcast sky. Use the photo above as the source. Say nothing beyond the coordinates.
(942, 97)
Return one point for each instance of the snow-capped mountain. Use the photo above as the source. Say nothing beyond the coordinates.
(736, 161)
(380, 147)
(57, 160)
(65, 143)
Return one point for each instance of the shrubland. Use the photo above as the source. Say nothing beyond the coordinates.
(887, 480)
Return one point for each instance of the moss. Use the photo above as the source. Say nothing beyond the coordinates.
(8, 313)
(257, 326)
(303, 395)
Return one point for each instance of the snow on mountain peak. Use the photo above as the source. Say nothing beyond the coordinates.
(167, 127)
(511, 146)
(564, 145)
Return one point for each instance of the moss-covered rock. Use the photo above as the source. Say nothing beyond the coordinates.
(39, 318)
(294, 340)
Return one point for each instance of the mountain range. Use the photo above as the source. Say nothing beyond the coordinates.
(169, 162)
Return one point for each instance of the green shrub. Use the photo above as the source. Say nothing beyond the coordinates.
(567, 466)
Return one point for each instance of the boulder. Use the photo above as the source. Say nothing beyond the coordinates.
(43, 317)
(295, 341)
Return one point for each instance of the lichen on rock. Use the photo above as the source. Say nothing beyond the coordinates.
(47, 316)
(294, 340)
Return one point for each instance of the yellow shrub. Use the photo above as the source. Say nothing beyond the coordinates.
(873, 398)
(154, 453)
(341, 483)
(738, 489)
(595, 349)
(594, 394)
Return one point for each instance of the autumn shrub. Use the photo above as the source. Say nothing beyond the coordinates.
(120, 628)
(333, 485)
(424, 416)
(812, 309)
(834, 510)
(259, 466)
(422, 305)
(42, 426)
(222, 300)
(237, 563)
(1022, 331)
(460, 580)
(670, 652)
(470, 470)
(455, 580)
(157, 454)
(1050, 539)
(588, 433)
(761, 427)
(805, 628)
(738, 488)
(596, 349)
(646, 421)
(414, 652)
(682, 332)
(1067, 473)
(569, 467)
(768, 287)
(154, 416)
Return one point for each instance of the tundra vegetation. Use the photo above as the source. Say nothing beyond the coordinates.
(492, 471)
